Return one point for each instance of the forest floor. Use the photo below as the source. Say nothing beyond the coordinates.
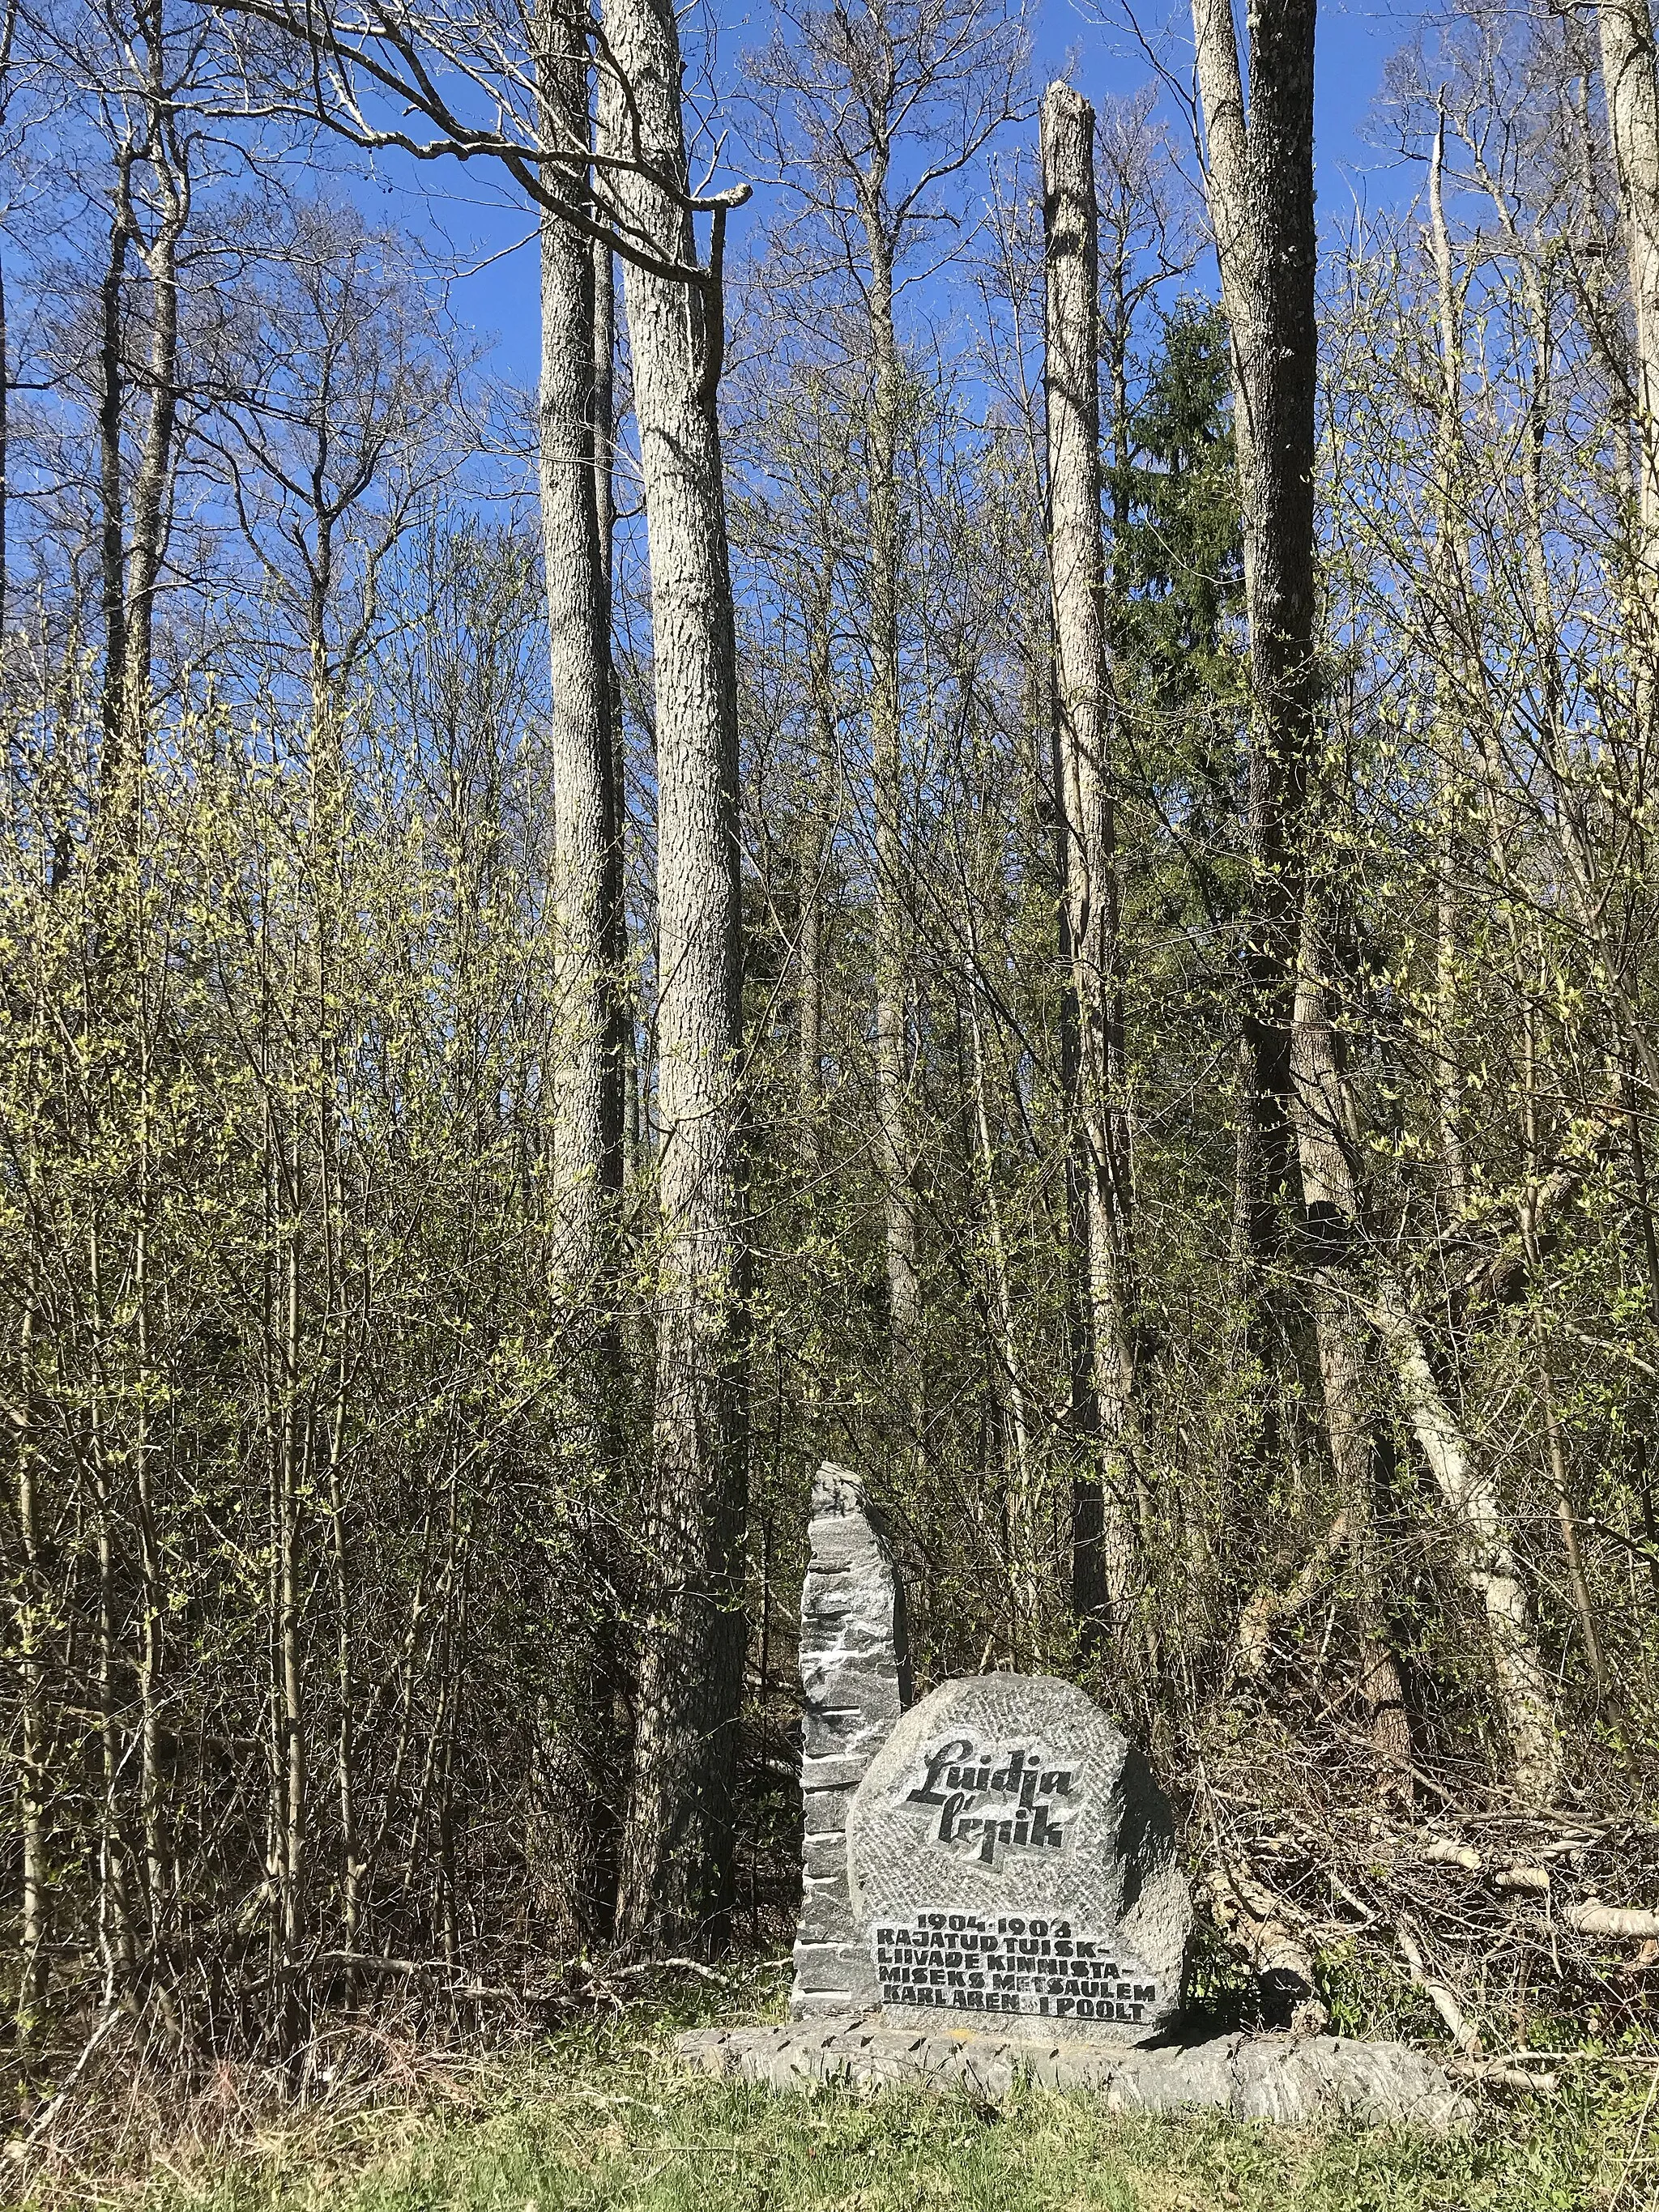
(602, 2119)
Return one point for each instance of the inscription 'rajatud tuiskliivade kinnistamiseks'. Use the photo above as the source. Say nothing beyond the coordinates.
(1035, 1968)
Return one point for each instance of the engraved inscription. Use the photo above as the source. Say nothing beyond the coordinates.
(992, 1802)
(1009, 1963)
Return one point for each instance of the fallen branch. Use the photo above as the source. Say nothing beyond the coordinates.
(1269, 1605)
(1258, 1925)
(1532, 1878)
(1610, 1920)
(661, 1965)
(1446, 1851)
(1500, 2074)
(1466, 2038)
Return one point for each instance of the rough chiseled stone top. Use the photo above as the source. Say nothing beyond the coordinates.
(1010, 1853)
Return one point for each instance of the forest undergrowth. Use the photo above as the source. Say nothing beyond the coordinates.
(1006, 834)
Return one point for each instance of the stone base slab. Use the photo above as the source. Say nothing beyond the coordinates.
(1296, 2081)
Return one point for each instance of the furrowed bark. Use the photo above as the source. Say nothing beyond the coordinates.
(1626, 28)
(1260, 203)
(1103, 1576)
(677, 1873)
(887, 773)
(571, 1652)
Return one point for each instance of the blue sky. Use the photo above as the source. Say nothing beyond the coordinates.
(1355, 40)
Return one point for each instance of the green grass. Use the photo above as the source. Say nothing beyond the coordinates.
(712, 2151)
(605, 2121)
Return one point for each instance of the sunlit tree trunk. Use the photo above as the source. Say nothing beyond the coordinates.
(887, 775)
(1103, 1543)
(1261, 204)
(1633, 99)
(153, 480)
(1451, 612)
(677, 1873)
(574, 1648)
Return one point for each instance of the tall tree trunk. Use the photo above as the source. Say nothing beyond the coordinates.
(152, 485)
(887, 778)
(1103, 1541)
(677, 1873)
(1633, 98)
(1262, 208)
(812, 848)
(1450, 613)
(112, 395)
(1262, 212)
(572, 1814)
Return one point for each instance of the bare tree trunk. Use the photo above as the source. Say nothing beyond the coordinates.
(676, 1871)
(112, 491)
(1627, 79)
(812, 848)
(1449, 570)
(887, 779)
(586, 901)
(1261, 202)
(152, 485)
(1103, 1579)
(572, 1657)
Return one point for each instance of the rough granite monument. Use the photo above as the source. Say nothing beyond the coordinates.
(1001, 1848)
(1009, 1853)
(991, 1891)
(855, 1683)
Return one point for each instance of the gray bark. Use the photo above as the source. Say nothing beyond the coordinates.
(1627, 77)
(585, 871)
(572, 1824)
(1333, 1202)
(677, 1850)
(1260, 203)
(887, 767)
(1103, 1526)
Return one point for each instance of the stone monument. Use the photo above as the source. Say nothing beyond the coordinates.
(1009, 1853)
(855, 1681)
(991, 1893)
(1001, 1848)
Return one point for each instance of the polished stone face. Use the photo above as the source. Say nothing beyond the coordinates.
(1010, 1854)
